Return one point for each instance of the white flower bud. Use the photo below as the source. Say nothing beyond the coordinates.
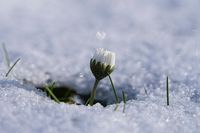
(102, 64)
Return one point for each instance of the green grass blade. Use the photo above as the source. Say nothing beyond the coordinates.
(116, 97)
(114, 90)
(87, 102)
(124, 100)
(52, 86)
(10, 69)
(51, 93)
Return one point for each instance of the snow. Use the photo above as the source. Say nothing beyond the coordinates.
(55, 41)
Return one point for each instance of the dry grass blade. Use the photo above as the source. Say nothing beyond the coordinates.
(10, 69)
(5, 56)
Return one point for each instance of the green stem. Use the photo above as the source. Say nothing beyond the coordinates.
(124, 99)
(167, 90)
(117, 105)
(116, 97)
(91, 99)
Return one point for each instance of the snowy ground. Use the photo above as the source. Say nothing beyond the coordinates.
(56, 39)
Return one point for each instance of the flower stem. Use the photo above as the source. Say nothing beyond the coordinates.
(91, 99)
(116, 97)
(167, 90)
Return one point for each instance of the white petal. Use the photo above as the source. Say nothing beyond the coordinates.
(104, 56)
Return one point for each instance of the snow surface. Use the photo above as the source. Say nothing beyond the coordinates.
(55, 41)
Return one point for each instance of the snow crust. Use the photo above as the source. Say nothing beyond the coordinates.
(55, 41)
